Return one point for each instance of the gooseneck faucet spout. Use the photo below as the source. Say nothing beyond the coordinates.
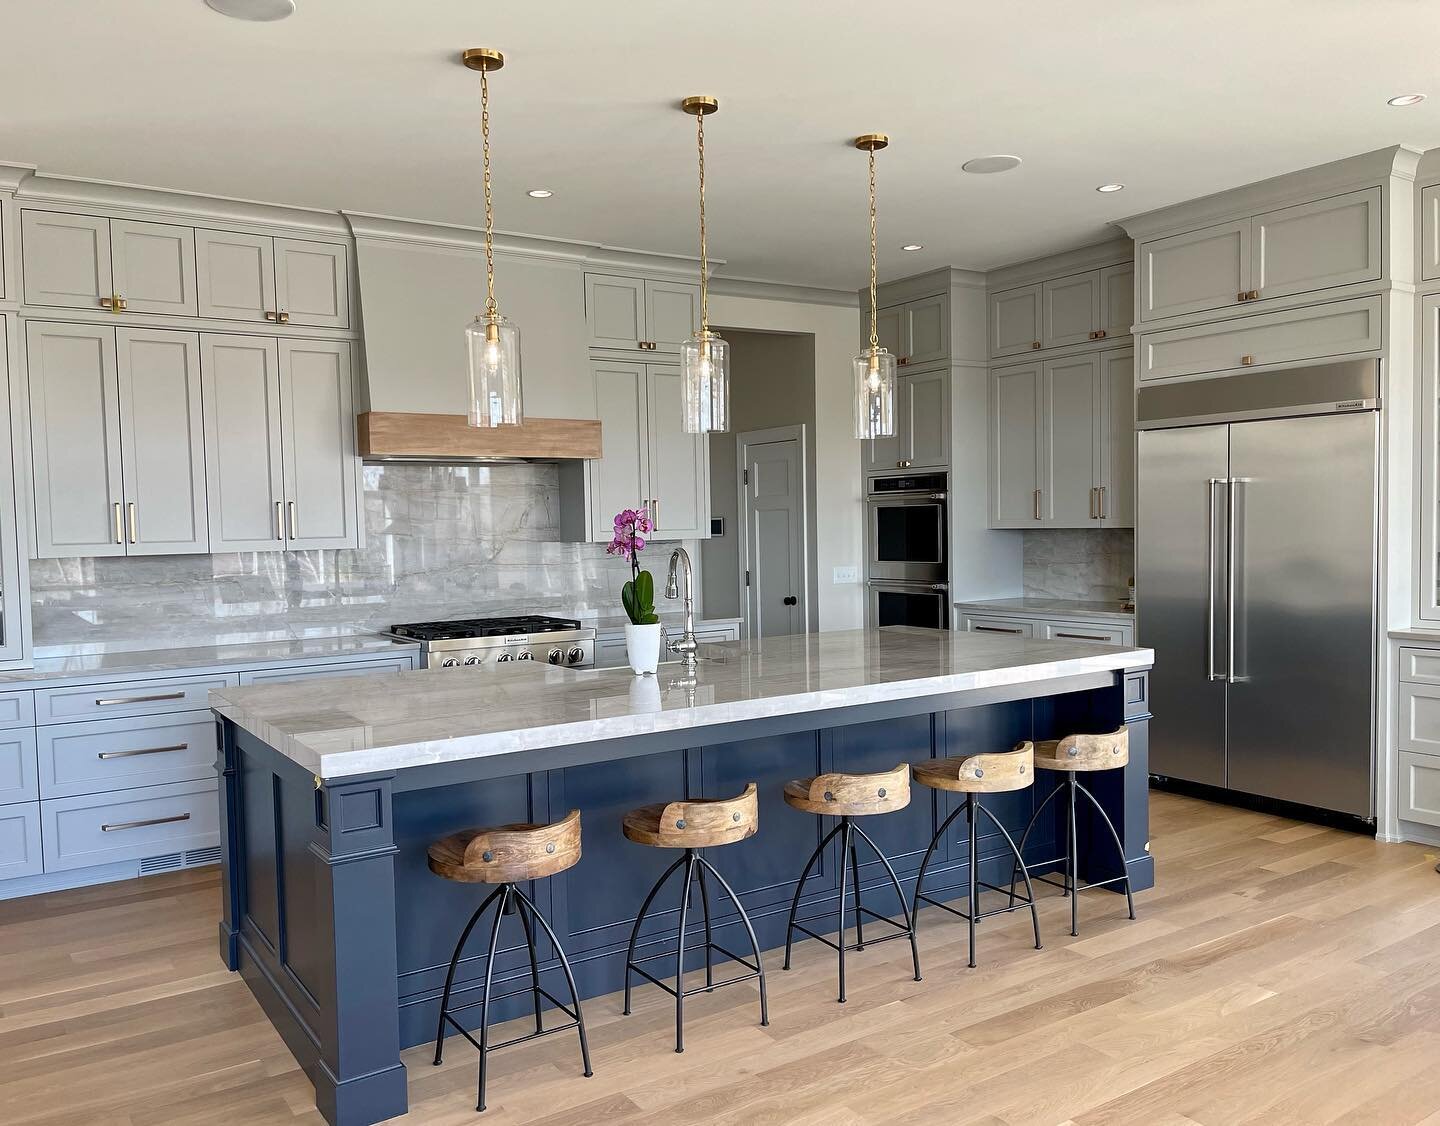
(687, 646)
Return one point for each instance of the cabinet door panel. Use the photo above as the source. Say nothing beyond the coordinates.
(1187, 273)
(1068, 453)
(672, 313)
(617, 479)
(614, 311)
(65, 258)
(1430, 233)
(243, 461)
(1318, 245)
(14, 591)
(1072, 309)
(888, 330)
(235, 275)
(75, 439)
(20, 840)
(678, 474)
(1117, 300)
(153, 265)
(317, 419)
(927, 330)
(162, 442)
(925, 418)
(1015, 321)
(18, 779)
(1117, 439)
(312, 283)
(1015, 447)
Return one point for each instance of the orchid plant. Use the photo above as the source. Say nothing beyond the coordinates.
(638, 595)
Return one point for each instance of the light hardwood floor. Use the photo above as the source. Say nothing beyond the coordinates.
(1280, 974)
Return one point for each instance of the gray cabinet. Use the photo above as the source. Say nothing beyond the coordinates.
(14, 594)
(639, 314)
(153, 267)
(1117, 300)
(18, 777)
(917, 332)
(385, 666)
(80, 832)
(1194, 271)
(619, 479)
(1071, 308)
(246, 277)
(1115, 498)
(1015, 321)
(922, 424)
(312, 283)
(679, 488)
(1069, 450)
(1015, 429)
(243, 443)
(317, 417)
(20, 840)
(104, 755)
(120, 265)
(672, 313)
(1430, 233)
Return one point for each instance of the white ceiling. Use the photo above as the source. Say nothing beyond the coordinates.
(362, 105)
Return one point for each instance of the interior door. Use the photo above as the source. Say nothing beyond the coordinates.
(235, 275)
(312, 283)
(153, 265)
(317, 418)
(1304, 550)
(774, 514)
(162, 442)
(679, 462)
(1069, 461)
(240, 379)
(1180, 596)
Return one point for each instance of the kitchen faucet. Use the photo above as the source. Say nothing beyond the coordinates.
(687, 646)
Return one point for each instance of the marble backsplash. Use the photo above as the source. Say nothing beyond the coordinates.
(441, 541)
(1081, 563)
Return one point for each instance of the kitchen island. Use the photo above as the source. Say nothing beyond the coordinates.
(332, 792)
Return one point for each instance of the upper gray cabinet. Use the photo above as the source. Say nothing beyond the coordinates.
(1313, 246)
(917, 333)
(922, 425)
(317, 416)
(1430, 232)
(153, 267)
(1015, 317)
(14, 605)
(1016, 401)
(1071, 309)
(1117, 300)
(638, 314)
(244, 277)
(118, 265)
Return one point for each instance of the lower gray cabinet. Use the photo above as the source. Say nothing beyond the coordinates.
(388, 666)
(118, 754)
(18, 776)
(104, 828)
(1418, 792)
(20, 841)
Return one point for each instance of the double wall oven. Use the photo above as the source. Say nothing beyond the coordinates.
(907, 551)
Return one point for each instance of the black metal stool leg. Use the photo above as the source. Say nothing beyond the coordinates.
(840, 909)
(680, 951)
(569, 978)
(1024, 871)
(1074, 865)
(705, 910)
(1025, 837)
(900, 894)
(800, 888)
(450, 976)
(929, 852)
(505, 892)
(749, 930)
(973, 907)
(534, 961)
(1119, 848)
(855, 879)
(640, 918)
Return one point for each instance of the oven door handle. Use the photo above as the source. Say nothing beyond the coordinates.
(900, 584)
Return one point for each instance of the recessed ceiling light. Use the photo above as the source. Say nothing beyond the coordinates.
(984, 165)
(1111, 188)
(1406, 100)
(912, 246)
(260, 11)
(539, 193)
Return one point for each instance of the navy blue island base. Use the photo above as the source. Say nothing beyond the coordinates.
(339, 929)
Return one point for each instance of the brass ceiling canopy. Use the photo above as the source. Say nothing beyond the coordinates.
(482, 58)
(699, 105)
(872, 142)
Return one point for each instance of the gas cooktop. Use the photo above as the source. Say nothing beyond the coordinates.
(463, 628)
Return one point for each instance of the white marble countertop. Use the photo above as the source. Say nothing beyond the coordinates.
(1051, 608)
(423, 718)
(1426, 636)
(84, 668)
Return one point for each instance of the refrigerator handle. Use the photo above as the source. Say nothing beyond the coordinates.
(1210, 673)
(1232, 574)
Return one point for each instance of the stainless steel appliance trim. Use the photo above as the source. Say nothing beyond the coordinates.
(105, 756)
(1352, 385)
(1210, 673)
(1232, 575)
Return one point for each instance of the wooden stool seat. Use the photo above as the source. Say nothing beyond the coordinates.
(1084, 752)
(851, 795)
(697, 823)
(986, 773)
(507, 854)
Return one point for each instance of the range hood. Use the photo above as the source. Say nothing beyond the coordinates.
(419, 287)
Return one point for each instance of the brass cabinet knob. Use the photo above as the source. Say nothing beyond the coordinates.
(270, 315)
(1247, 360)
(1100, 334)
(1242, 296)
(121, 303)
(1034, 345)
(107, 302)
(284, 318)
(903, 360)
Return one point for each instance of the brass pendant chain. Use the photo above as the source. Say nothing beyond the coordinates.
(704, 255)
(874, 334)
(490, 307)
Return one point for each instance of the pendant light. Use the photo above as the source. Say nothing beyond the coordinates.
(492, 342)
(874, 367)
(704, 357)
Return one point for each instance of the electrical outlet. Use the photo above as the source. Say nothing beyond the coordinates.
(844, 575)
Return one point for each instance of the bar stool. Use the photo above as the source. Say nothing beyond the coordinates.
(848, 796)
(973, 775)
(508, 855)
(693, 825)
(1072, 756)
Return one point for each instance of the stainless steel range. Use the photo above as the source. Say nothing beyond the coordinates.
(484, 641)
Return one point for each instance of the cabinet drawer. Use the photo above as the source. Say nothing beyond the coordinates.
(1418, 793)
(1420, 666)
(1069, 631)
(18, 776)
(20, 841)
(1292, 335)
(1000, 625)
(1418, 718)
(139, 697)
(80, 832)
(120, 754)
(17, 709)
(389, 666)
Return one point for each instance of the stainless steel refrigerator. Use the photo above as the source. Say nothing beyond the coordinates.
(1256, 565)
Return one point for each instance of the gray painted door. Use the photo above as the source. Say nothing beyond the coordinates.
(75, 439)
(235, 275)
(1194, 271)
(618, 478)
(774, 515)
(1117, 439)
(244, 468)
(1317, 245)
(317, 418)
(1015, 403)
(14, 606)
(672, 313)
(679, 462)
(162, 442)
(153, 266)
(66, 259)
(1069, 453)
(927, 330)
(1015, 321)
(1117, 300)
(1071, 308)
(924, 418)
(312, 283)
(614, 311)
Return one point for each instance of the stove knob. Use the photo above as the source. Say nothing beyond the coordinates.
(450, 663)
(575, 656)
(505, 657)
(526, 656)
(473, 659)
(555, 656)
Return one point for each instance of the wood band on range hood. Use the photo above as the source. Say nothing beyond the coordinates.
(449, 437)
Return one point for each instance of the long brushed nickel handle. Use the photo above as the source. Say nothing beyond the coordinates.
(294, 520)
(142, 824)
(106, 756)
(130, 518)
(995, 629)
(1037, 504)
(1082, 636)
(1103, 514)
(119, 523)
(107, 702)
(1232, 576)
(1210, 673)
(279, 520)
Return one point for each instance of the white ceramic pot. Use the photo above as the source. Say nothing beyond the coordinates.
(642, 647)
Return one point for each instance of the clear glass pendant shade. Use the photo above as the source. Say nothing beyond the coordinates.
(705, 377)
(492, 345)
(874, 394)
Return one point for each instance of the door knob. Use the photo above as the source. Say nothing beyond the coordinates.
(791, 600)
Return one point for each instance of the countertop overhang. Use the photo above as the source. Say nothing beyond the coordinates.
(348, 727)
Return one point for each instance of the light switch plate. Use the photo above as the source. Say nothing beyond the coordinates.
(844, 575)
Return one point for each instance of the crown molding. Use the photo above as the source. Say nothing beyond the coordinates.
(1113, 252)
(781, 291)
(13, 175)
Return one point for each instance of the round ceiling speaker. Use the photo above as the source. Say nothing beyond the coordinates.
(259, 11)
(985, 165)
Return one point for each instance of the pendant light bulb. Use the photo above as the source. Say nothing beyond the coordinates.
(874, 367)
(492, 342)
(704, 357)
